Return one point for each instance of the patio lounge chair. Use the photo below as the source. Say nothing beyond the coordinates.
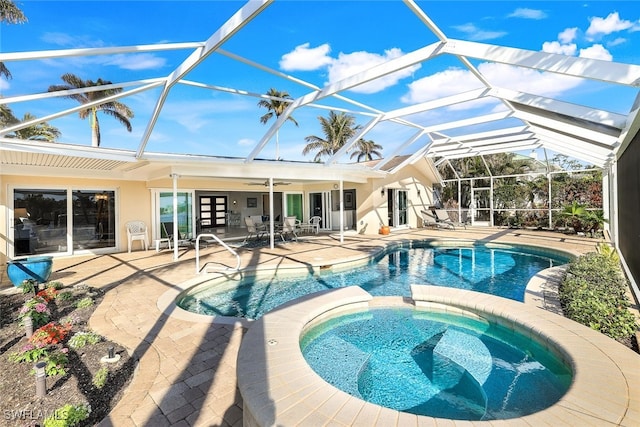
(443, 219)
(428, 219)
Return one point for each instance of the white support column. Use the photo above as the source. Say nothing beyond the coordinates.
(550, 200)
(271, 227)
(341, 211)
(176, 234)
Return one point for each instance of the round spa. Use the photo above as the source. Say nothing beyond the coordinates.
(441, 357)
(435, 363)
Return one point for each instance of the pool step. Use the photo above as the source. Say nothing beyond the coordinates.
(344, 354)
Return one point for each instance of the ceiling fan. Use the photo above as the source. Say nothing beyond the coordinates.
(266, 183)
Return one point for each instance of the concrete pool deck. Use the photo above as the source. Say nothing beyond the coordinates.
(187, 370)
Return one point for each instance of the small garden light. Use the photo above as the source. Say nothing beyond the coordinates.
(28, 326)
(41, 379)
(111, 356)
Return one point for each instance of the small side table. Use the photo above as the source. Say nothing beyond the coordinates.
(164, 239)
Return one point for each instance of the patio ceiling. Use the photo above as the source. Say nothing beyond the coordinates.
(519, 122)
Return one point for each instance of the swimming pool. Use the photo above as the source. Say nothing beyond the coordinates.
(501, 270)
(436, 364)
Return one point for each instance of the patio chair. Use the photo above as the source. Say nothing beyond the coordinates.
(137, 230)
(291, 225)
(168, 232)
(253, 230)
(313, 226)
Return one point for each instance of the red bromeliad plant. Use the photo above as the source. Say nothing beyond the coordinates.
(48, 294)
(51, 333)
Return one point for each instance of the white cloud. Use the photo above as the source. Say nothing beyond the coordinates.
(608, 25)
(194, 115)
(475, 33)
(141, 61)
(4, 85)
(597, 51)
(562, 49)
(246, 142)
(349, 64)
(456, 80)
(568, 35)
(303, 58)
(616, 42)
(527, 80)
(68, 40)
(440, 84)
(526, 13)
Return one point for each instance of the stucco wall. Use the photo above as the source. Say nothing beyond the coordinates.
(373, 207)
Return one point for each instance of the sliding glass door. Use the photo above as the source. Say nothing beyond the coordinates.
(185, 213)
(62, 221)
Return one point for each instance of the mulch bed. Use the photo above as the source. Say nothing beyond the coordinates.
(20, 406)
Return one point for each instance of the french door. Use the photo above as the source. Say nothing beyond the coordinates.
(397, 207)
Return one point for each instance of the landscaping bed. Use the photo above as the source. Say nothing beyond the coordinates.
(78, 375)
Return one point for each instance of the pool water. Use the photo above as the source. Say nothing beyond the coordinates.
(503, 272)
(435, 364)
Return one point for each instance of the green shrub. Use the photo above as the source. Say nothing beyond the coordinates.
(100, 378)
(68, 416)
(80, 339)
(65, 296)
(28, 286)
(55, 285)
(593, 293)
(84, 302)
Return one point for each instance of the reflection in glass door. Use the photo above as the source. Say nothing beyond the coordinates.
(480, 206)
(93, 219)
(185, 212)
(50, 221)
(319, 204)
(397, 207)
(293, 205)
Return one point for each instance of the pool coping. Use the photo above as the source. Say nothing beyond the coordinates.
(278, 386)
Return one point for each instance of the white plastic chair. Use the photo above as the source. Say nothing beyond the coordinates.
(313, 226)
(137, 230)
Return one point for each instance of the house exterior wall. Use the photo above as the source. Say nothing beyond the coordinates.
(134, 199)
(373, 209)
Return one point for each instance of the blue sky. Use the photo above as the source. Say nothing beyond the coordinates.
(318, 42)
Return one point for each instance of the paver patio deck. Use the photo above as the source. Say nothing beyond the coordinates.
(186, 374)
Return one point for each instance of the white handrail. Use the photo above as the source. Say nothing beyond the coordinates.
(224, 245)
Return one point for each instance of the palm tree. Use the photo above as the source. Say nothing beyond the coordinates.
(11, 14)
(338, 129)
(6, 116)
(115, 109)
(38, 132)
(276, 107)
(574, 213)
(365, 150)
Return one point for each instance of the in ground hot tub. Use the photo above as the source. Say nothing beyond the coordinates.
(279, 387)
(435, 363)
